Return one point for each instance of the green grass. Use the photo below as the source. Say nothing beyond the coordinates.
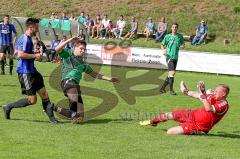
(29, 135)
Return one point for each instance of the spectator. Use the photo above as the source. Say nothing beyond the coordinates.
(120, 27)
(81, 35)
(89, 24)
(52, 49)
(111, 28)
(149, 28)
(63, 40)
(82, 19)
(38, 50)
(201, 33)
(72, 17)
(133, 30)
(53, 16)
(96, 26)
(161, 30)
(39, 43)
(64, 17)
(104, 27)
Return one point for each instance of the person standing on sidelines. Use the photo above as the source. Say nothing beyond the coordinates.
(170, 46)
(6, 43)
(30, 79)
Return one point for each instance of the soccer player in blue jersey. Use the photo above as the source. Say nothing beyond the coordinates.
(30, 79)
(6, 43)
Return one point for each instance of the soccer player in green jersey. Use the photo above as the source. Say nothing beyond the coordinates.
(72, 69)
(170, 46)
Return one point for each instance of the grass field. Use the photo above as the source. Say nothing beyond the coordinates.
(115, 134)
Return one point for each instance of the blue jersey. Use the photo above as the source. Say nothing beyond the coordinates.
(25, 65)
(6, 34)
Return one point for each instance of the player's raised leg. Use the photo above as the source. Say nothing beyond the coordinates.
(160, 118)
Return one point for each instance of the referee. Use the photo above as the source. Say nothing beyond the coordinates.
(170, 46)
(6, 43)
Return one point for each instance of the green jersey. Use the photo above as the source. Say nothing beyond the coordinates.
(173, 43)
(73, 66)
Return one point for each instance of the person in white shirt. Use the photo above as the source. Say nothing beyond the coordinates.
(120, 27)
(104, 27)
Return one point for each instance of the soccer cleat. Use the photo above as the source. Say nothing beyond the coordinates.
(50, 114)
(6, 112)
(145, 122)
(172, 92)
(53, 120)
(162, 91)
(2, 73)
(77, 118)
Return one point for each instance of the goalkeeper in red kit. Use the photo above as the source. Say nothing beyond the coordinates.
(200, 120)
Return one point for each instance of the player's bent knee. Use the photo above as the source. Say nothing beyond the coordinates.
(175, 131)
(32, 100)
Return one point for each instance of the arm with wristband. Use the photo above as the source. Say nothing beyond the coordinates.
(201, 94)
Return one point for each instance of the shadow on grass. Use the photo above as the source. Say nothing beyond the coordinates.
(233, 135)
(40, 121)
(105, 121)
(8, 85)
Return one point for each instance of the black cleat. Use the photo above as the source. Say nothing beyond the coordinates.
(6, 112)
(2, 73)
(162, 91)
(53, 120)
(172, 92)
(77, 118)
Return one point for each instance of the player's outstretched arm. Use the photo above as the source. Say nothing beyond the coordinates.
(102, 77)
(59, 48)
(186, 91)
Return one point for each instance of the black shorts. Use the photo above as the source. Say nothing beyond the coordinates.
(67, 84)
(6, 49)
(172, 64)
(31, 83)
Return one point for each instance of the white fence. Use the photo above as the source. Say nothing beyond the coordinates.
(153, 58)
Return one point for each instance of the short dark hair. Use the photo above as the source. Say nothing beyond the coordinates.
(6, 15)
(121, 16)
(31, 22)
(79, 42)
(175, 24)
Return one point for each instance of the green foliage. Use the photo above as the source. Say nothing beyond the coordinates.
(29, 13)
(141, 1)
(236, 9)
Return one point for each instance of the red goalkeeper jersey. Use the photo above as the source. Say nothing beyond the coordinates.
(206, 120)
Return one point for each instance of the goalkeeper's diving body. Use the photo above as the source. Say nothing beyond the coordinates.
(200, 120)
(72, 69)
